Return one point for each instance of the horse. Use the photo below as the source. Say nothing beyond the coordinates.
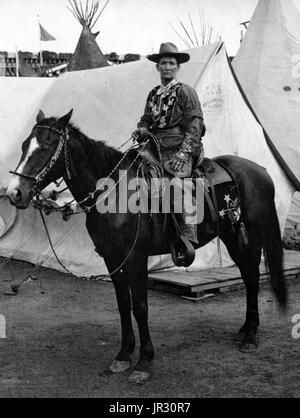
(57, 149)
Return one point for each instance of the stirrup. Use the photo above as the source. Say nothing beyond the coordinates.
(183, 252)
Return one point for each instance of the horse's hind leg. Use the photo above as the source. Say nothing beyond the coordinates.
(136, 271)
(122, 361)
(248, 261)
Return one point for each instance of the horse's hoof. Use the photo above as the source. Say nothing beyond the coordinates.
(248, 348)
(139, 377)
(119, 366)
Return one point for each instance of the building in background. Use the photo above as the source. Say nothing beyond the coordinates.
(53, 63)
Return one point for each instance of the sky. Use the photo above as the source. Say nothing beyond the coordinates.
(136, 26)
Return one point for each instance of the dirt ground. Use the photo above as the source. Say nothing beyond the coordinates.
(60, 343)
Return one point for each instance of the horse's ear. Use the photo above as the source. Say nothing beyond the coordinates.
(64, 120)
(40, 116)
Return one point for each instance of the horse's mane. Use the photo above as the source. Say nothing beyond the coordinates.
(98, 152)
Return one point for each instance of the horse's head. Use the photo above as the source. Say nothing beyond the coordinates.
(42, 160)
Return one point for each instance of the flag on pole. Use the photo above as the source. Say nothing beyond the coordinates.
(45, 36)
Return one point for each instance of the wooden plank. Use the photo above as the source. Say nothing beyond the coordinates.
(216, 285)
(219, 280)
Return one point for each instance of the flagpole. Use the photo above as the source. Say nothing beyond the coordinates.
(41, 52)
(17, 62)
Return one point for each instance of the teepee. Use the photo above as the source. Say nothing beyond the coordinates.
(87, 54)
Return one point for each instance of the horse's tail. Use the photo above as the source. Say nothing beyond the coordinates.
(274, 255)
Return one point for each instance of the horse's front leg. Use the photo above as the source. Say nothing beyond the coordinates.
(136, 271)
(122, 361)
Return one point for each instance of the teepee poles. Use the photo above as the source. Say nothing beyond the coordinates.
(185, 30)
(102, 10)
(204, 36)
(88, 15)
(178, 34)
(193, 29)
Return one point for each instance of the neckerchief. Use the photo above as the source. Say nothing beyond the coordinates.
(161, 103)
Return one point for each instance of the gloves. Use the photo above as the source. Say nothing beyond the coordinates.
(179, 160)
(138, 134)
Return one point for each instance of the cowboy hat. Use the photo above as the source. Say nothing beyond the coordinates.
(169, 50)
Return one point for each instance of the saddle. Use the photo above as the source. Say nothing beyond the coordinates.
(212, 174)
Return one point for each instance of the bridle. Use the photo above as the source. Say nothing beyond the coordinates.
(62, 146)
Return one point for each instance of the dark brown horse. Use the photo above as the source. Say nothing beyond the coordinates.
(55, 149)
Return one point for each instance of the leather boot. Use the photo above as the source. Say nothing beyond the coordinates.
(189, 231)
(185, 253)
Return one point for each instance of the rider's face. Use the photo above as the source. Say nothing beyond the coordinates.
(168, 68)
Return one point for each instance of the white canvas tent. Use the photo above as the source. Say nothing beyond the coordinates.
(107, 104)
(233, 129)
(268, 68)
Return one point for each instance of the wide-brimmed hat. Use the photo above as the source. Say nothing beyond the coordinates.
(169, 50)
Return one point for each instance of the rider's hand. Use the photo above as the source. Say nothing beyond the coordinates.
(179, 160)
(138, 134)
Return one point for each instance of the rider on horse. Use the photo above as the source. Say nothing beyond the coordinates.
(173, 114)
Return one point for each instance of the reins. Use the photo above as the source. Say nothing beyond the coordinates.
(62, 145)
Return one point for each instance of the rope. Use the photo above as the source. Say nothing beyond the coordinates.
(129, 253)
(40, 208)
(9, 259)
(111, 190)
(100, 276)
(152, 170)
(125, 143)
(51, 245)
(69, 271)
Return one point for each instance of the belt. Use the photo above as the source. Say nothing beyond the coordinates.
(174, 130)
(170, 138)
